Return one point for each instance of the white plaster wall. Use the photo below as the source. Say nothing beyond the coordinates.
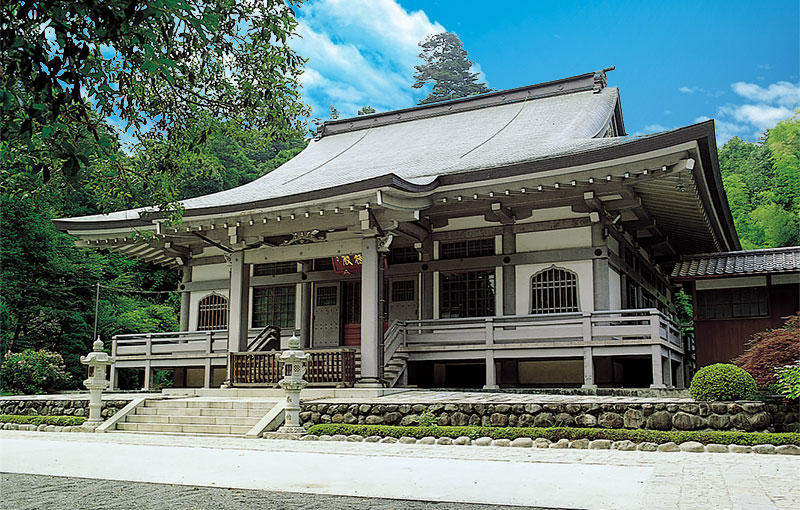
(211, 272)
(614, 290)
(554, 239)
(583, 268)
(552, 213)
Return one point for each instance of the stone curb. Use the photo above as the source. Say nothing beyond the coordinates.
(597, 444)
(45, 428)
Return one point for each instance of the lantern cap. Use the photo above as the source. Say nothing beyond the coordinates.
(294, 342)
(98, 345)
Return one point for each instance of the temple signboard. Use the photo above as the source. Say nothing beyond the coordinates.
(347, 264)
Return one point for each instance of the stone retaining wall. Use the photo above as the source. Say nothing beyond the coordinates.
(741, 416)
(58, 407)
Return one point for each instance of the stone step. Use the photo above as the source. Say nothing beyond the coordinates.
(184, 428)
(210, 404)
(199, 411)
(193, 420)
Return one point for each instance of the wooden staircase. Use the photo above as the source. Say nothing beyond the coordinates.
(196, 416)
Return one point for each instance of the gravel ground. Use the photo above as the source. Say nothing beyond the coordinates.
(34, 492)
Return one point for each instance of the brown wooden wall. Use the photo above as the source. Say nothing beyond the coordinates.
(721, 340)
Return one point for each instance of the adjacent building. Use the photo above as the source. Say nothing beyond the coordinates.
(515, 238)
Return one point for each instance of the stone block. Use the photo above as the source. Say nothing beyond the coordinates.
(326, 418)
(659, 420)
(337, 418)
(543, 420)
(462, 440)
(716, 448)
(787, 449)
(408, 420)
(388, 440)
(610, 421)
(624, 445)
(692, 446)
(689, 408)
(669, 447)
(392, 417)
(525, 420)
(474, 420)
(338, 437)
(499, 419)
(760, 421)
(753, 407)
(541, 442)
(685, 421)
(309, 437)
(633, 419)
(719, 421)
(483, 441)
(671, 407)
(350, 418)
(427, 440)
(486, 421)
(561, 443)
(444, 441)
(564, 420)
(513, 420)
(373, 420)
(459, 419)
(419, 408)
(764, 449)
(364, 408)
(355, 438)
(719, 408)
(501, 442)
(522, 442)
(450, 408)
(532, 408)
(580, 444)
(502, 408)
(407, 440)
(444, 420)
(737, 448)
(517, 408)
(600, 444)
(741, 422)
(372, 439)
(325, 437)
(572, 408)
(479, 409)
(404, 409)
(586, 420)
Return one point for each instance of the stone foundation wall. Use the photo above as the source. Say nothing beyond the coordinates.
(741, 416)
(58, 407)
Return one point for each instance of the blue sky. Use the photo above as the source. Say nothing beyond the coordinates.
(677, 62)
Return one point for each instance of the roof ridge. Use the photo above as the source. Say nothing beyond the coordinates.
(595, 81)
(719, 254)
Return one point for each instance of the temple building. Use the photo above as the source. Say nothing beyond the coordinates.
(516, 238)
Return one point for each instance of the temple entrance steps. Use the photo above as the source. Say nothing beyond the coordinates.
(394, 369)
(201, 415)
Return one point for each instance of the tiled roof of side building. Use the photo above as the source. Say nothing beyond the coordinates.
(772, 260)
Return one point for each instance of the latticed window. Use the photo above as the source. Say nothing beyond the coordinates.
(274, 268)
(554, 290)
(465, 249)
(274, 306)
(213, 313)
(402, 290)
(469, 294)
(403, 255)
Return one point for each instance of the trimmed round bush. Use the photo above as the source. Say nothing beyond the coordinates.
(722, 381)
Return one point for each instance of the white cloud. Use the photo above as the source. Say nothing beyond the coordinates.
(782, 93)
(762, 109)
(689, 90)
(360, 52)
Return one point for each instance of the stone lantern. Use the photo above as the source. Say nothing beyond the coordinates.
(96, 382)
(294, 362)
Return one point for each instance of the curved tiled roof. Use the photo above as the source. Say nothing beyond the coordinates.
(772, 260)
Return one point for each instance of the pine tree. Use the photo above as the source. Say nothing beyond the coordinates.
(448, 68)
(367, 110)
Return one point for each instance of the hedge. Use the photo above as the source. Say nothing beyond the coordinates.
(61, 421)
(556, 433)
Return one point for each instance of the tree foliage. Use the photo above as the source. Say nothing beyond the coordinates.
(155, 69)
(448, 68)
(771, 349)
(762, 181)
(367, 110)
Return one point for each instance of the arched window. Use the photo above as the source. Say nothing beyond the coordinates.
(213, 313)
(554, 290)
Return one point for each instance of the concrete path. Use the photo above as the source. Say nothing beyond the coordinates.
(466, 474)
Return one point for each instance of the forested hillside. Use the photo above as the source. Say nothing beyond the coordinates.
(762, 181)
(47, 290)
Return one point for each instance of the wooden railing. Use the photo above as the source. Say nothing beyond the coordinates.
(176, 343)
(615, 326)
(326, 367)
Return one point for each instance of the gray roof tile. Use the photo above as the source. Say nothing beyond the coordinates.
(772, 260)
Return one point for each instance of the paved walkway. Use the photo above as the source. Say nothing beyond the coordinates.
(466, 474)
(467, 397)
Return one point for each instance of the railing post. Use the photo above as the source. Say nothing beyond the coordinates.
(112, 375)
(207, 374)
(491, 370)
(148, 344)
(209, 342)
(588, 354)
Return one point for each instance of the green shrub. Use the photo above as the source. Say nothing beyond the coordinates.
(722, 381)
(32, 371)
(556, 433)
(789, 380)
(61, 421)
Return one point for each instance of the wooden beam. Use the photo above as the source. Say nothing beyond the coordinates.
(501, 213)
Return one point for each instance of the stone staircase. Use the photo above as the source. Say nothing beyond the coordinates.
(196, 416)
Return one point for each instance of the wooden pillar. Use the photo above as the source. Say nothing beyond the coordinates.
(186, 277)
(658, 367)
(426, 294)
(238, 303)
(305, 308)
(491, 368)
(509, 273)
(600, 269)
(588, 353)
(371, 328)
